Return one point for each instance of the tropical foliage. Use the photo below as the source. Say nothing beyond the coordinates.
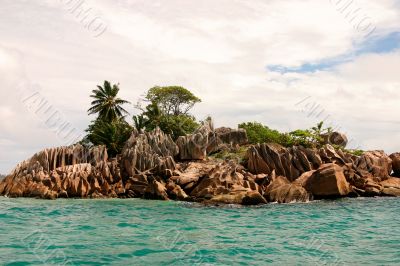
(106, 103)
(109, 128)
(172, 100)
(313, 137)
(168, 109)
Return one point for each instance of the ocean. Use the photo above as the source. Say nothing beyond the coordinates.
(362, 231)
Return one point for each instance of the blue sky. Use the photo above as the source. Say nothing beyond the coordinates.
(374, 45)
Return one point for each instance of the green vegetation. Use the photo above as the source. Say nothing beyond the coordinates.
(173, 100)
(109, 128)
(313, 137)
(168, 109)
(112, 134)
(106, 103)
(238, 155)
(355, 152)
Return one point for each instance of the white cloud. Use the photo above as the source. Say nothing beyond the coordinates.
(219, 49)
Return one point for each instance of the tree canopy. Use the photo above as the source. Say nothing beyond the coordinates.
(106, 102)
(172, 100)
(109, 128)
(168, 109)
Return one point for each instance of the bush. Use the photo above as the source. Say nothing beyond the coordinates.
(168, 109)
(176, 126)
(258, 133)
(111, 134)
(310, 138)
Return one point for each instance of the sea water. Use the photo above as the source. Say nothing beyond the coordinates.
(363, 231)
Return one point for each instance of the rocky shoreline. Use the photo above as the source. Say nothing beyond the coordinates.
(153, 166)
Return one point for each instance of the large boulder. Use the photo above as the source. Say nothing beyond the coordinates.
(156, 190)
(223, 137)
(289, 162)
(395, 157)
(206, 140)
(225, 178)
(376, 163)
(194, 146)
(336, 138)
(328, 181)
(240, 197)
(282, 191)
(391, 187)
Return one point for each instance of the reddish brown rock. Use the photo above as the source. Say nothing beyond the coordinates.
(288, 162)
(328, 181)
(395, 157)
(194, 146)
(240, 197)
(175, 192)
(282, 191)
(156, 190)
(391, 187)
(376, 163)
(226, 138)
(145, 151)
(336, 138)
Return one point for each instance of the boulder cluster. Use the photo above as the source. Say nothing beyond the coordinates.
(153, 166)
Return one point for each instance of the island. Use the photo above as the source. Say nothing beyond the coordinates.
(208, 165)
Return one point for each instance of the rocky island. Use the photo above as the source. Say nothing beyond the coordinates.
(154, 166)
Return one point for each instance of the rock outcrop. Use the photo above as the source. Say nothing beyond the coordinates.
(391, 187)
(282, 190)
(336, 138)
(147, 168)
(149, 151)
(207, 140)
(225, 180)
(328, 181)
(226, 138)
(73, 171)
(194, 146)
(376, 163)
(395, 157)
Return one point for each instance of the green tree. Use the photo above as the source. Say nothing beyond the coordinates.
(168, 109)
(109, 128)
(106, 102)
(172, 100)
(258, 133)
(112, 134)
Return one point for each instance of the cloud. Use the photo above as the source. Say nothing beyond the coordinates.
(218, 49)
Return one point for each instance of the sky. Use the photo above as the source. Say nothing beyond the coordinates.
(287, 64)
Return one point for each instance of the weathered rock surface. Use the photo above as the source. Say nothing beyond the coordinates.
(282, 191)
(328, 181)
(395, 157)
(149, 151)
(72, 171)
(147, 169)
(336, 138)
(226, 138)
(206, 140)
(375, 162)
(194, 146)
(391, 187)
(288, 162)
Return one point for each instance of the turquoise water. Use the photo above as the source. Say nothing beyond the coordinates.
(138, 232)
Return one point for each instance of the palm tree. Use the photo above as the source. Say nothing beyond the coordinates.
(140, 122)
(106, 104)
